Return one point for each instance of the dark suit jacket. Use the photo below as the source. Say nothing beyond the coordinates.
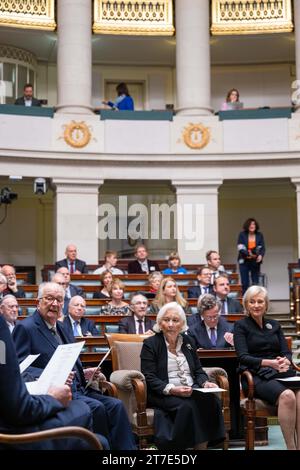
(198, 331)
(154, 364)
(134, 267)
(234, 305)
(74, 290)
(21, 412)
(32, 336)
(87, 326)
(20, 294)
(243, 245)
(21, 102)
(195, 292)
(127, 325)
(79, 265)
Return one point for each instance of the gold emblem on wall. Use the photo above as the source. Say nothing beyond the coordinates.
(77, 134)
(196, 136)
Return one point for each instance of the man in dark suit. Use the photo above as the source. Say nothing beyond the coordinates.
(12, 288)
(75, 323)
(74, 265)
(41, 333)
(221, 290)
(21, 412)
(27, 99)
(137, 324)
(209, 329)
(142, 265)
(70, 289)
(204, 286)
(9, 311)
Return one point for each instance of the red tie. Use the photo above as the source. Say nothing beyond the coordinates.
(72, 267)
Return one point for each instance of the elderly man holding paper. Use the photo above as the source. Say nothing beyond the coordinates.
(41, 334)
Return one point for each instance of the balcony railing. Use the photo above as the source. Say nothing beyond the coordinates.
(29, 14)
(134, 17)
(251, 16)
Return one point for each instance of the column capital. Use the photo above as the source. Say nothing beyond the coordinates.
(69, 185)
(197, 186)
(296, 182)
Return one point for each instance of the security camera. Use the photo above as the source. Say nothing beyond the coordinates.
(40, 186)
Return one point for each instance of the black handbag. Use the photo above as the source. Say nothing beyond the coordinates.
(269, 373)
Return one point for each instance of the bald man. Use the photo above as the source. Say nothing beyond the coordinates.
(74, 265)
(75, 323)
(12, 288)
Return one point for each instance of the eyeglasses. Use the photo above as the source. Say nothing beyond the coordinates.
(181, 372)
(215, 317)
(50, 299)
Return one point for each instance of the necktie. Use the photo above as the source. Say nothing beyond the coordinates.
(75, 328)
(72, 267)
(223, 311)
(141, 331)
(213, 337)
(56, 335)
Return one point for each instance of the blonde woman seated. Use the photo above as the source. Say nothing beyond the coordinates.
(174, 265)
(183, 418)
(168, 292)
(106, 279)
(116, 306)
(262, 348)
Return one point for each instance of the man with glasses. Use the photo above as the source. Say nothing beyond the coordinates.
(12, 287)
(40, 334)
(204, 285)
(138, 323)
(209, 330)
(62, 277)
(9, 311)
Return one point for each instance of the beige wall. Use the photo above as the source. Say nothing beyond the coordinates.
(259, 85)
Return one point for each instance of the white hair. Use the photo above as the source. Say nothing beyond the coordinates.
(50, 285)
(170, 306)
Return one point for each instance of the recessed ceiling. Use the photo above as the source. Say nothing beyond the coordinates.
(134, 50)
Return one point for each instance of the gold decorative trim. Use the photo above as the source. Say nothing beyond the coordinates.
(134, 17)
(77, 134)
(251, 16)
(19, 55)
(191, 135)
(28, 14)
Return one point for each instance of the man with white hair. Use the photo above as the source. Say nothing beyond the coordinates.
(74, 265)
(12, 287)
(138, 323)
(75, 323)
(41, 333)
(9, 311)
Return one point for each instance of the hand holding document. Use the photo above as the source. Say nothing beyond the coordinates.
(97, 368)
(58, 368)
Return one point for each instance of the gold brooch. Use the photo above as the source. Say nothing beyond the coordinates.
(196, 136)
(77, 134)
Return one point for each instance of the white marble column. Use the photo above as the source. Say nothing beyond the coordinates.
(74, 56)
(76, 217)
(193, 57)
(197, 218)
(297, 48)
(296, 182)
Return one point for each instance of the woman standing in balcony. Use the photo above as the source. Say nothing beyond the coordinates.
(233, 96)
(124, 101)
(251, 250)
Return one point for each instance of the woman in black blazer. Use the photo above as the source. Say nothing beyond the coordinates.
(251, 250)
(183, 417)
(262, 348)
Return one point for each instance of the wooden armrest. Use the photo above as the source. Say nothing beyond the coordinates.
(109, 387)
(250, 392)
(58, 433)
(295, 366)
(141, 401)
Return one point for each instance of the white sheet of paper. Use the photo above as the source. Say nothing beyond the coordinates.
(58, 368)
(210, 390)
(296, 378)
(27, 362)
